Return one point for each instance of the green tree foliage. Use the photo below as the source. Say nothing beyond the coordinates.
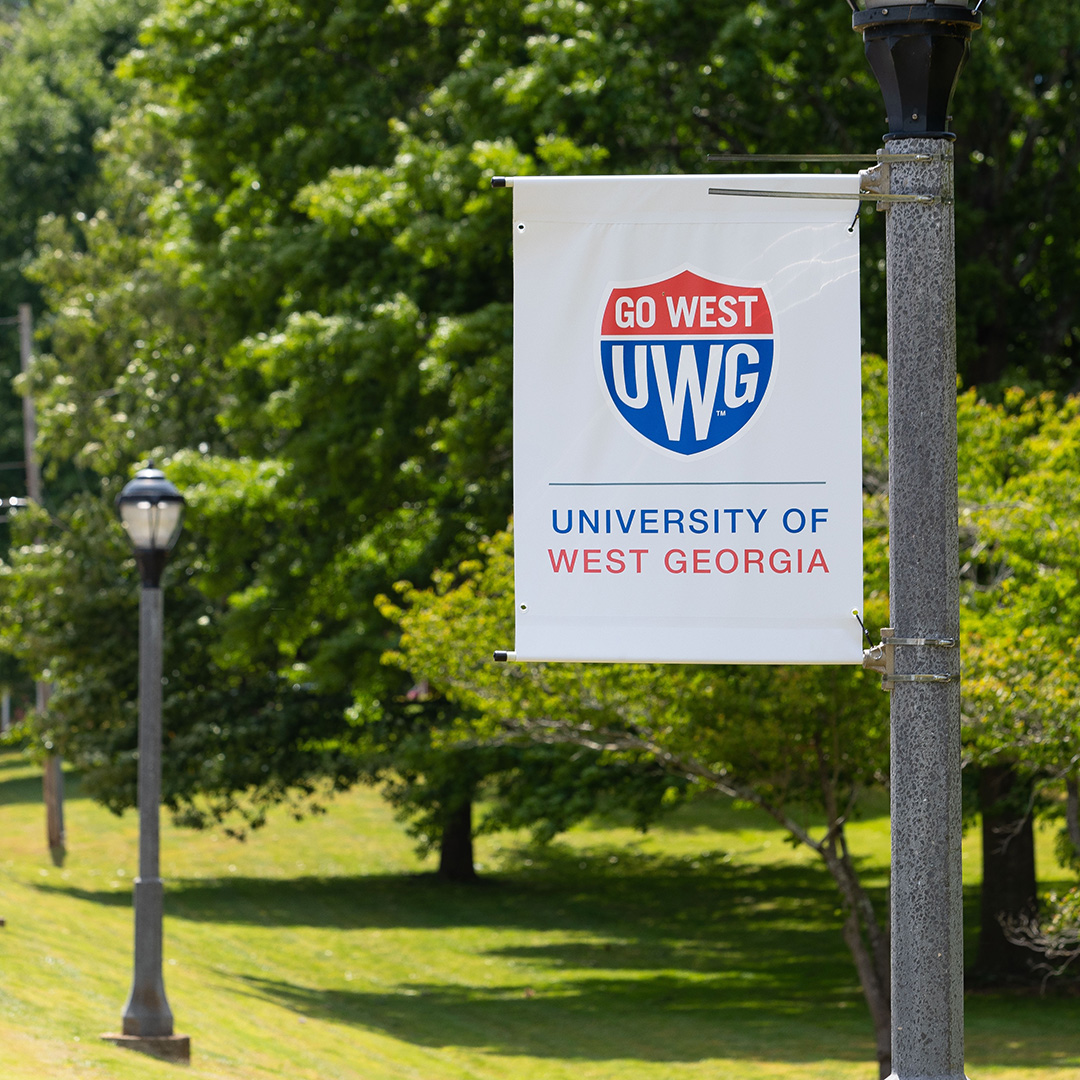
(237, 738)
(1018, 203)
(1021, 618)
(434, 782)
(293, 261)
(57, 90)
(1022, 606)
(342, 227)
(129, 336)
(318, 278)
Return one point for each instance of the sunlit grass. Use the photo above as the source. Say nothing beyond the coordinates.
(706, 948)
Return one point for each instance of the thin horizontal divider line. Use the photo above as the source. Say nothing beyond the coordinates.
(689, 483)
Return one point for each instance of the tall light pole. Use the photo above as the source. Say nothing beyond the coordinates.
(151, 509)
(916, 51)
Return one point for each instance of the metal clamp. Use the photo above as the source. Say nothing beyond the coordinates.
(882, 658)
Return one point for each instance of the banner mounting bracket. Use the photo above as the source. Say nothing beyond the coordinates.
(882, 658)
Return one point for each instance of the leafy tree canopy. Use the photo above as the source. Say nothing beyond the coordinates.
(292, 278)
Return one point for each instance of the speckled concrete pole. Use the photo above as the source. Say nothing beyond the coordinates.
(917, 51)
(927, 897)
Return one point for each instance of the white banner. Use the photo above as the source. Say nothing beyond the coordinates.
(687, 421)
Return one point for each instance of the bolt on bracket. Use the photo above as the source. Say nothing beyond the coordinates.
(875, 181)
(882, 658)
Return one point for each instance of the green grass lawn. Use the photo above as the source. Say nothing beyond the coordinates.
(325, 949)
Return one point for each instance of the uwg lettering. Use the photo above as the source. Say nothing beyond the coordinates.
(686, 361)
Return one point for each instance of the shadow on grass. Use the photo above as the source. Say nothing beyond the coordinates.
(674, 1018)
(656, 1002)
(27, 788)
(678, 959)
(555, 887)
(106, 897)
(1021, 1030)
(660, 1016)
(20, 789)
(676, 962)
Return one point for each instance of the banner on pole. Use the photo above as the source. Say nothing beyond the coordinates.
(687, 421)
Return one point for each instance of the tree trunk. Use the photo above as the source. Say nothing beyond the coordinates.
(1009, 887)
(1072, 811)
(866, 940)
(876, 999)
(868, 943)
(456, 845)
(52, 786)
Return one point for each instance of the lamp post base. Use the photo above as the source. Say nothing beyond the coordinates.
(167, 1047)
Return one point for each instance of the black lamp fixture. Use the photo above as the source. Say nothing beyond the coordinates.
(916, 51)
(152, 511)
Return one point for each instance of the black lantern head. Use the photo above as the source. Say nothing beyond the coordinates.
(916, 52)
(151, 510)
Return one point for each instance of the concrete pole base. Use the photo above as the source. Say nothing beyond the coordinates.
(166, 1047)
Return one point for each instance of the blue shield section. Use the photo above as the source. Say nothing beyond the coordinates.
(687, 395)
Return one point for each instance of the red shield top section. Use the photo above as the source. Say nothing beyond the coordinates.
(687, 305)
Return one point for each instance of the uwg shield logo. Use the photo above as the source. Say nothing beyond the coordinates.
(686, 361)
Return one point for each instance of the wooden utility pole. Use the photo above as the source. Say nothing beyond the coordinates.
(52, 781)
